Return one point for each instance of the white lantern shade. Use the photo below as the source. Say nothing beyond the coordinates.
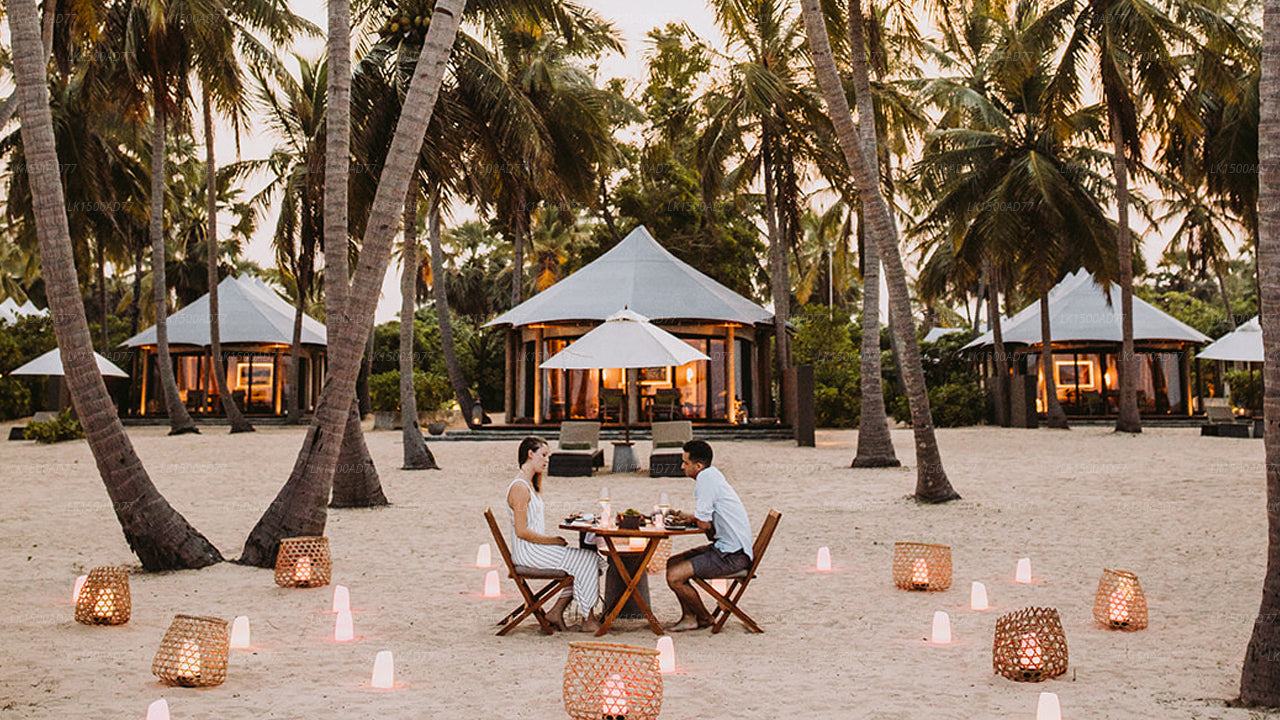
(341, 598)
(666, 655)
(824, 559)
(491, 587)
(75, 593)
(343, 630)
(484, 556)
(978, 597)
(384, 670)
(158, 710)
(1024, 571)
(1048, 707)
(240, 633)
(941, 634)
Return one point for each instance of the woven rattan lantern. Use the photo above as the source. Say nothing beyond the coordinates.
(303, 562)
(658, 563)
(920, 566)
(104, 598)
(193, 652)
(605, 681)
(1030, 645)
(1119, 603)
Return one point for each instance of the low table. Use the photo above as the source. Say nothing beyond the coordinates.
(624, 457)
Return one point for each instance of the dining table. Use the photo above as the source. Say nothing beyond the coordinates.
(617, 541)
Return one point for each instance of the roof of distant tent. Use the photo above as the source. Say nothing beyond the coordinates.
(249, 311)
(50, 363)
(10, 310)
(638, 274)
(1244, 344)
(1080, 311)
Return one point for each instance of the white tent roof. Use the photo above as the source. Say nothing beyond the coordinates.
(50, 363)
(639, 274)
(10, 310)
(1079, 310)
(1244, 344)
(249, 311)
(625, 340)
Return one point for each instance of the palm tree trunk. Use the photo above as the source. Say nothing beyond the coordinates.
(294, 416)
(355, 482)
(1220, 272)
(364, 401)
(447, 345)
(520, 223)
(103, 335)
(1128, 420)
(299, 508)
(1000, 383)
(235, 418)
(1260, 676)
(416, 454)
(1054, 416)
(778, 286)
(160, 537)
(136, 310)
(180, 421)
(932, 484)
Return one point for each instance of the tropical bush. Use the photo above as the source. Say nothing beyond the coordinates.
(20, 342)
(431, 391)
(955, 397)
(1246, 389)
(63, 427)
(826, 341)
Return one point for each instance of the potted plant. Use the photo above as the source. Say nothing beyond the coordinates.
(630, 519)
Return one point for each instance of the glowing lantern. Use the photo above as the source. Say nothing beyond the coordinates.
(240, 633)
(1030, 654)
(1120, 603)
(158, 710)
(302, 571)
(75, 594)
(1048, 707)
(491, 588)
(613, 698)
(103, 599)
(978, 597)
(484, 556)
(921, 566)
(608, 681)
(1029, 645)
(941, 634)
(824, 559)
(341, 598)
(920, 574)
(343, 631)
(720, 585)
(303, 562)
(384, 670)
(666, 655)
(193, 652)
(1024, 571)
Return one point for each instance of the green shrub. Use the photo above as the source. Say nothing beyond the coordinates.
(431, 391)
(952, 405)
(1246, 389)
(63, 427)
(15, 399)
(826, 342)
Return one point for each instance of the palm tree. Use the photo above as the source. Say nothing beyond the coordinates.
(1260, 676)
(932, 484)
(416, 454)
(299, 508)
(160, 537)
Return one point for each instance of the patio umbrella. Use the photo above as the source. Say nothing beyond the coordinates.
(50, 363)
(624, 340)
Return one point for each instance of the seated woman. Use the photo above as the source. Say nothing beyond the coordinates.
(533, 548)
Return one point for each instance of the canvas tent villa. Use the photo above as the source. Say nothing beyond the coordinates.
(1085, 335)
(256, 329)
(640, 275)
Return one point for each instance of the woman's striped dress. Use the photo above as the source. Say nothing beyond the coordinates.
(583, 565)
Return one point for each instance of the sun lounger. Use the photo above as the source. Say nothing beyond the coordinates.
(668, 440)
(579, 452)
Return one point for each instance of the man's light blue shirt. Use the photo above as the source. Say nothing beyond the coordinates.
(717, 503)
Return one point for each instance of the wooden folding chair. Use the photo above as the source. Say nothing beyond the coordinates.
(521, 575)
(727, 603)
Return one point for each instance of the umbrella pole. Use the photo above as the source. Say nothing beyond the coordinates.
(626, 408)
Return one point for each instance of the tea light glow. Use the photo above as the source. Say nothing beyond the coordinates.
(1048, 707)
(666, 655)
(614, 697)
(158, 710)
(484, 556)
(978, 597)
(240, 633)
(343, 631)
(384, 670)
(341, 598)
(824, 559)
(302, 570)
(941, 629)
(1024, 570)
(491, 588)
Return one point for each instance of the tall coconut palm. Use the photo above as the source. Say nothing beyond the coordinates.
(158, 534)
(299, 507)
(1260, 675)
(932, 484)
(416, 454)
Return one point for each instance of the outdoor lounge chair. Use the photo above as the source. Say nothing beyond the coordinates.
(1221, 422)
(728, 602)
(578, 453)
(533, 602)
(665, 405)
(668, 440)
(611, 405)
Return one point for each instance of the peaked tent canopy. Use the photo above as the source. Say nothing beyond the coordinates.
(1244, 344)
(10, 310)
(249, 311)
(1080, 311)
(638, 274)
(50, 363)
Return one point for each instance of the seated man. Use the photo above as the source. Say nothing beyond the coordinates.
(720, 512)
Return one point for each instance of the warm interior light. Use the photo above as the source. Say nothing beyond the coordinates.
(1024, 570)
(104, 605)
(824, 559)
(158, 710)
(666, 655)
(75, 594)
(343, 631)
(1030, 654)
(302, 570)
(188, 661)
(384, 670)
(720, 585)
(978, 597)
(491, 588)
(613, 696)
(941, 634)
(1048, 707)
(688, 375)
(341, 598)
(920, 574)
(484, 557)
(240, 633)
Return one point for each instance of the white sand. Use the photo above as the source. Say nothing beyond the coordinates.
(1185, 513)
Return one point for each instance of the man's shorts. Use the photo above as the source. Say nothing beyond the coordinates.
(710, 562)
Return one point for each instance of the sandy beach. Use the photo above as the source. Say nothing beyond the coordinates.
(1183, 512)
